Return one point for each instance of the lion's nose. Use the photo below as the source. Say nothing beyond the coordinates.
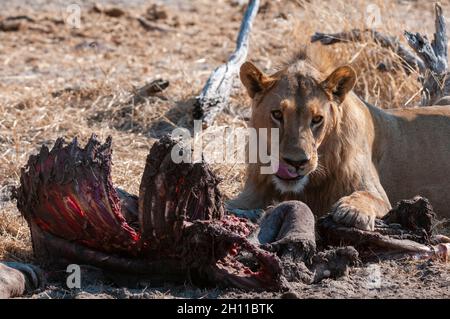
(297, 163)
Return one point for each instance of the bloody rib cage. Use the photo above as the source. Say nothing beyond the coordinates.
(175, 230)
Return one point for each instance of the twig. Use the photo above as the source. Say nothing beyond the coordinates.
(150, 89)
(152, 26)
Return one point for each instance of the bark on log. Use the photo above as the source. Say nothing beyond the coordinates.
(215, 94)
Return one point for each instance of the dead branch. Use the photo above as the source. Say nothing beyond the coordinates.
(10, 26)
(435, 56)
(153, 26)
(149, 89)
(216, 92)
(385, 41)
(431, 59)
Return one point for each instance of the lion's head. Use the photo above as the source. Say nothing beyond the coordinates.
(304, 103)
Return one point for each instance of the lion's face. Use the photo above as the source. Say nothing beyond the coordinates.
(303, 108)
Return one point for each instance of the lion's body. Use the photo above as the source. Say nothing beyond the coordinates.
(362, 159)
(413, 156)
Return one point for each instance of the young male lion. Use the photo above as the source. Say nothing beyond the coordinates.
(338, 154)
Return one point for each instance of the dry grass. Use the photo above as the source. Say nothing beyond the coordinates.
(54, 83)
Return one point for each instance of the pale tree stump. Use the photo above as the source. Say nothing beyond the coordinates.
(216, 92)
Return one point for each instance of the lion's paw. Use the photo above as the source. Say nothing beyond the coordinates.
(346, 213)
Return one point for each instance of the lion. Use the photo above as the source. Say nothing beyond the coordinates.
(339, 154)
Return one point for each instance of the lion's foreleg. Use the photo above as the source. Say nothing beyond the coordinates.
(360, 209)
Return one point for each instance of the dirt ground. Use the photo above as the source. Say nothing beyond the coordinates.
(64, 76)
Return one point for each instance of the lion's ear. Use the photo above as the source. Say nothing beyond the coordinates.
(253, 79)
(340, 82)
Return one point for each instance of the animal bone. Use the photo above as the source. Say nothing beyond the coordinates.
(289, 230)
(404, 232)
(177, 229)
(76, 215)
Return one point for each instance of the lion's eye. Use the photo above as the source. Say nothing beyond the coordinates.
(277, 115)
(317, 120)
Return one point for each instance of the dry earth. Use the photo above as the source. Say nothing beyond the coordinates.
(60, 80)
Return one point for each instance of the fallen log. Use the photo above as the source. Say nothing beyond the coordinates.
(216, 92)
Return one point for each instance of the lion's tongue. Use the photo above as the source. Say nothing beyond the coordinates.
(284, 172)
